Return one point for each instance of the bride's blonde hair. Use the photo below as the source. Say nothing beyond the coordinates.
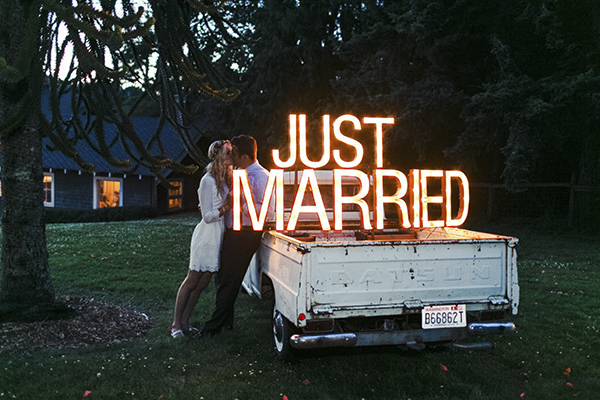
(217, 167)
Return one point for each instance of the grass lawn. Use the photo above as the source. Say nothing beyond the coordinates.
(553, 355)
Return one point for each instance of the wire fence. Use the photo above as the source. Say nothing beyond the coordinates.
(566, 202)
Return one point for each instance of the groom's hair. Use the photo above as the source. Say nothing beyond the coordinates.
(245, 145)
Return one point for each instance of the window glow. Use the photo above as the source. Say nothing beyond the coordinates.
(108, 193)
(175, 196)
(48, 189)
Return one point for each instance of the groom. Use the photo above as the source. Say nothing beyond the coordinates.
(238, 247)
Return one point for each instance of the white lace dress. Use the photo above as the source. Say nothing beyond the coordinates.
(208, 234)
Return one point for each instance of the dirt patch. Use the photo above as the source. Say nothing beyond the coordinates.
(95, 322)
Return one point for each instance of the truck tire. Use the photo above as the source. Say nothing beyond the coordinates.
(282, 330)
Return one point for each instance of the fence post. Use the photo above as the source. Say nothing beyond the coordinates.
(571, 200)
(490, 199)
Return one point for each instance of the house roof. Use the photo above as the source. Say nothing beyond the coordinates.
(172, 146)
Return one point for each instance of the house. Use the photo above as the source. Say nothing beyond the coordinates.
(66, 185)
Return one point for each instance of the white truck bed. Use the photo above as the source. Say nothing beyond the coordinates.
(337, 277)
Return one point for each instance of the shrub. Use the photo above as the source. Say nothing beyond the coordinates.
(67, 215)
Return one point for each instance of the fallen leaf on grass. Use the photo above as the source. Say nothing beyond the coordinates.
(444, 367)
(567, 371)
(87, 393)
(305, 382)
(522, 394)
(569, 384)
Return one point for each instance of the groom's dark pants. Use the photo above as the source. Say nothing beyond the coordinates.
(237, 250)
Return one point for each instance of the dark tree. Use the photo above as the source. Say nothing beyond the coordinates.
(88, 49)
(293, 62)
(497, 89)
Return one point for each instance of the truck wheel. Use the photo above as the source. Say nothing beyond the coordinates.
(282, 330)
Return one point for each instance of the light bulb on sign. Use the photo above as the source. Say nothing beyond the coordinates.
(396, 198)
(275, 183)
(308, 178)
(337, 132)
(292, 159)
(426, 200)
(339, 199)
(326, 144)
(378, 136)
(464, 197)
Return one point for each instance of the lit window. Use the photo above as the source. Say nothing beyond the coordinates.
(48, 190)
(107, 192)
(176, 195)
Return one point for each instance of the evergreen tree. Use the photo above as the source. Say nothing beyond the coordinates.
(292, 65)
(497, 89)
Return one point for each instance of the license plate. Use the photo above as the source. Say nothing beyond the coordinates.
(444, 317)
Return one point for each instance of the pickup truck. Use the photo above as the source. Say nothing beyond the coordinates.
(408, 287)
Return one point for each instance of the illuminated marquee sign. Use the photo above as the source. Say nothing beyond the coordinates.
(411, 197)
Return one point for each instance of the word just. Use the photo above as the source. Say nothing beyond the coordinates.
(415, 186)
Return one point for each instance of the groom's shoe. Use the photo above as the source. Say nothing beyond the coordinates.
(205, 334)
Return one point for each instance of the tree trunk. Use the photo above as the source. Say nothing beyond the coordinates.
(26, 279)
(26, 290)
